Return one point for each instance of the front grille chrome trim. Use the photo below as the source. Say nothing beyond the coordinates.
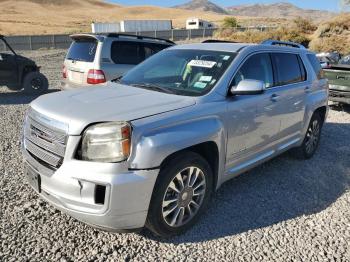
(44, 143)
(42, 154)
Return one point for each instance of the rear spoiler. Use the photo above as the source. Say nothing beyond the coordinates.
(86, 36)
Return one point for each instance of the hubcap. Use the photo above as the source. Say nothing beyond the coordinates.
(312, 136)
(183, 196)
(36, 83)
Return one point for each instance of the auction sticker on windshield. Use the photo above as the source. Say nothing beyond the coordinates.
(205, 78)
(202, 63)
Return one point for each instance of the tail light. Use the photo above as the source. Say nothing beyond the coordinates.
(64, 71)
(96, 77)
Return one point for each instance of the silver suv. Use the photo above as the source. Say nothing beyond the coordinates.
(150, 149)
(96, 59)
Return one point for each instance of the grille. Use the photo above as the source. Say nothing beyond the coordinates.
(339, 93)
(45, 139)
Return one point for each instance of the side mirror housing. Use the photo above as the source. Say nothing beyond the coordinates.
(248, 87)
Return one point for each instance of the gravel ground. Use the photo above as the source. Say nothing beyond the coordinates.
(284, 210)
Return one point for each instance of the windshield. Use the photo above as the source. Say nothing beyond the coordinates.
(345, 60)
(182, 72)
(82, 50)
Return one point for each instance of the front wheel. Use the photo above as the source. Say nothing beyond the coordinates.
(312, 138)
(35, 83)
(181, 194)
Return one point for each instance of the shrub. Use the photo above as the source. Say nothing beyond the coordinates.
(257, 36)
(304, 25)
(333, 35)
(230, 22)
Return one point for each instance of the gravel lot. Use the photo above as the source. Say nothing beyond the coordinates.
(285, 210)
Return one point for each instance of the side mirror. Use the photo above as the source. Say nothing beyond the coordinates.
(248, 87)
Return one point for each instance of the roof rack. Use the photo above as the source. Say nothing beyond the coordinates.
(141, 37)
(282, 43)
(217, 41)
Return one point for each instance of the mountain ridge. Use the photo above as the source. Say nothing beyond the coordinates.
(274, 10)
(203, 5)
(279, 10)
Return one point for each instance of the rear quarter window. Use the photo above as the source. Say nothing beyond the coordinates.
(133, 53)
(316, 65)
(128, 53)
(151, 49)
(287, 68)
(82, 50)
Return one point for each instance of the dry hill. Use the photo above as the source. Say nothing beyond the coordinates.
(22, 17)
(279, 10)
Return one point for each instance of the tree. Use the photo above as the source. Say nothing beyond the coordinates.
(345, 5)
(230, 22)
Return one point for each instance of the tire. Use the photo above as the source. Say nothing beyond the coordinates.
(35, 83)
(312, 138)
(172, 213)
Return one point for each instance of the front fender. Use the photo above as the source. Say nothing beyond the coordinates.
(154, 146)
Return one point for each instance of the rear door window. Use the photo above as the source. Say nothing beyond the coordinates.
(316, 65)
(82, 50)
(257, 67)
(287, 69)
(129, 53)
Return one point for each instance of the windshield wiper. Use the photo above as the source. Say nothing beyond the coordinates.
(154, 87)
(76, 59)
(117, 80)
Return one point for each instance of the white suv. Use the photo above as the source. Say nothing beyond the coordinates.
(95, 59)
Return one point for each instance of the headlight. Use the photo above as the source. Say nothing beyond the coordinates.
(107, 142)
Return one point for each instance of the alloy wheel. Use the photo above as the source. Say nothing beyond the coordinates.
(184, 196)
(312, 136)
(36, 83)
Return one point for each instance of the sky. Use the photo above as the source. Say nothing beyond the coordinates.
(330, 5)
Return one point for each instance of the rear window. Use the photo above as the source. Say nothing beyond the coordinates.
(316, 65)
(82, 50)
(287, 68)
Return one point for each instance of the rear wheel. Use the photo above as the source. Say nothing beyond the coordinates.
(180, 195)
(35, 83)
(312, 138)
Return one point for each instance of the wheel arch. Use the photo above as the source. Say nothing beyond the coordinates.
(323, 113)
(208, 150)
(27, 69)
(205, 136)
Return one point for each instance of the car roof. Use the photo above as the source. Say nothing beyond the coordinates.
(102, 36)
(224, 47)
(237, 47)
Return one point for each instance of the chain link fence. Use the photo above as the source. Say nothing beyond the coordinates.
(35, 42)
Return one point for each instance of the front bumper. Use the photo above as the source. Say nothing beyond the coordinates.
(339, 95)
(72, 188)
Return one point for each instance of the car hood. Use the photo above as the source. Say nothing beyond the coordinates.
(110, 102)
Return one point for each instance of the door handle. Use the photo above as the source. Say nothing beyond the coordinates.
(307, 89)
(274, 98)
